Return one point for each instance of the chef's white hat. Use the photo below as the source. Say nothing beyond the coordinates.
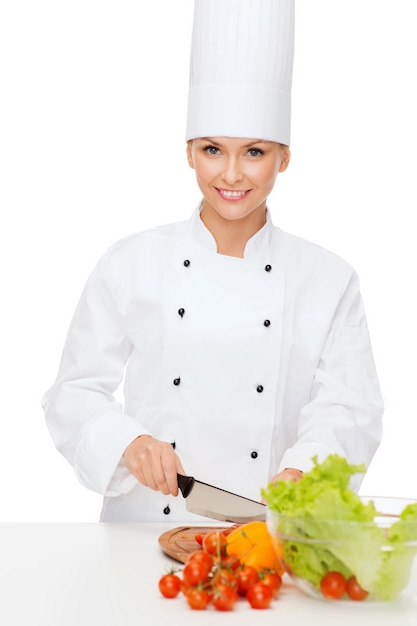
(241, 69)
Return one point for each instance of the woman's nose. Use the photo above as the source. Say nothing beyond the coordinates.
(231, 172)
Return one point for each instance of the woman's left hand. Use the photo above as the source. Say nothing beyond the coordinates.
(289, 473)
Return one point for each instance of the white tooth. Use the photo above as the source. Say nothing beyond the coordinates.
(232, 194)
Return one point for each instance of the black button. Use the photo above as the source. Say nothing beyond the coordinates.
(259, 389)
(254, 454)
(167, 510)
(176, 381)
(186, 263)
(268, 268)
(267, 323)
(181, 312)
(174, 445)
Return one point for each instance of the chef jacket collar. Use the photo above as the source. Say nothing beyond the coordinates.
(258, 243)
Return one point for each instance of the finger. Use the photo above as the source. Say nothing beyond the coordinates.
(144, 463)
(159, 476)
(179, 469)
(171, 466)
(150, 476)
(294, 474)
(164, 468)
(144, 473)
(137, 462)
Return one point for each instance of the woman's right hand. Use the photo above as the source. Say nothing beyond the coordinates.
(154, 464)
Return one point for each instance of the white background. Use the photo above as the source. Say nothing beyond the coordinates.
(93, 104)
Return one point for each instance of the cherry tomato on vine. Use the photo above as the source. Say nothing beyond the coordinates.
(246, 577)
(273, 580)
(202, 556)
(170, 585)
(227, 531)
(333, 585)
(199, 538)
(184, 587)
(215, 543)
(224, 597)
(229, 561)
(198, 599)
(225, 577)
(354, 590)
(259, 596)
(195, 573)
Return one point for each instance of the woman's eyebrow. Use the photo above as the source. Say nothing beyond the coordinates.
(211, 140)
(255, 142)
(246, 145)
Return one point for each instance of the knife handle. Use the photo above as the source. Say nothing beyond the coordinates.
(185, 484)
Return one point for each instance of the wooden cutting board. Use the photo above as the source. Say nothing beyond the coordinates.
(179, 542)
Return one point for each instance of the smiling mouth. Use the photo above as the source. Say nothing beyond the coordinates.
(230, 194)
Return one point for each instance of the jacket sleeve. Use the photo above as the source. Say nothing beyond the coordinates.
(86, 423)
(344, 414)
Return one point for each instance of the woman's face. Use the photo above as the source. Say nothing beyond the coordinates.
(236, 175)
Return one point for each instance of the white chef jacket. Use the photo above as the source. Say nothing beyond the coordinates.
(247, 365)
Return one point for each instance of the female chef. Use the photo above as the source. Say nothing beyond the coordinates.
(244, 350)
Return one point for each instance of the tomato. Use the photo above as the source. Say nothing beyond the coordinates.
(224, 597)
(184, 587)
(230, 562)
(246, 577)
(197, 599)
(199, 538)
(354, 590)
(225, 577)
(259, 596)
(333, 585)
(227, 531)
(170, 585)
(273, 580)
(215, 542)
(202, 556)
(195, 573)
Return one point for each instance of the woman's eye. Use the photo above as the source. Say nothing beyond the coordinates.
(211, 149)
(254, 152)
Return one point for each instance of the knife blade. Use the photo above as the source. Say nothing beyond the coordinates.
(216, 503)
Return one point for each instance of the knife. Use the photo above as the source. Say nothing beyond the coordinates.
(217, 503)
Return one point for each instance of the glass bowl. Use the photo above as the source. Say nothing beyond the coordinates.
(380, 554)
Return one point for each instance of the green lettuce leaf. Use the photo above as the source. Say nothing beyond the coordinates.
(395, 570)
(322, 506)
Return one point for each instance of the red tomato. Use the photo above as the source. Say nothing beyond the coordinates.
(230, 562)
(199, 538)
(259, 596)
(273, 580)
(225, 577)
(354, 590)
(184, 587)
(333, 585)
(215, 543)
(227, 531)
(202, 556)
(197, 599)
(224, 597)
(246, 577)
(170, 585)
(195, 573)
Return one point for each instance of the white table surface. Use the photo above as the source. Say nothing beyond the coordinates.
(107, 575)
